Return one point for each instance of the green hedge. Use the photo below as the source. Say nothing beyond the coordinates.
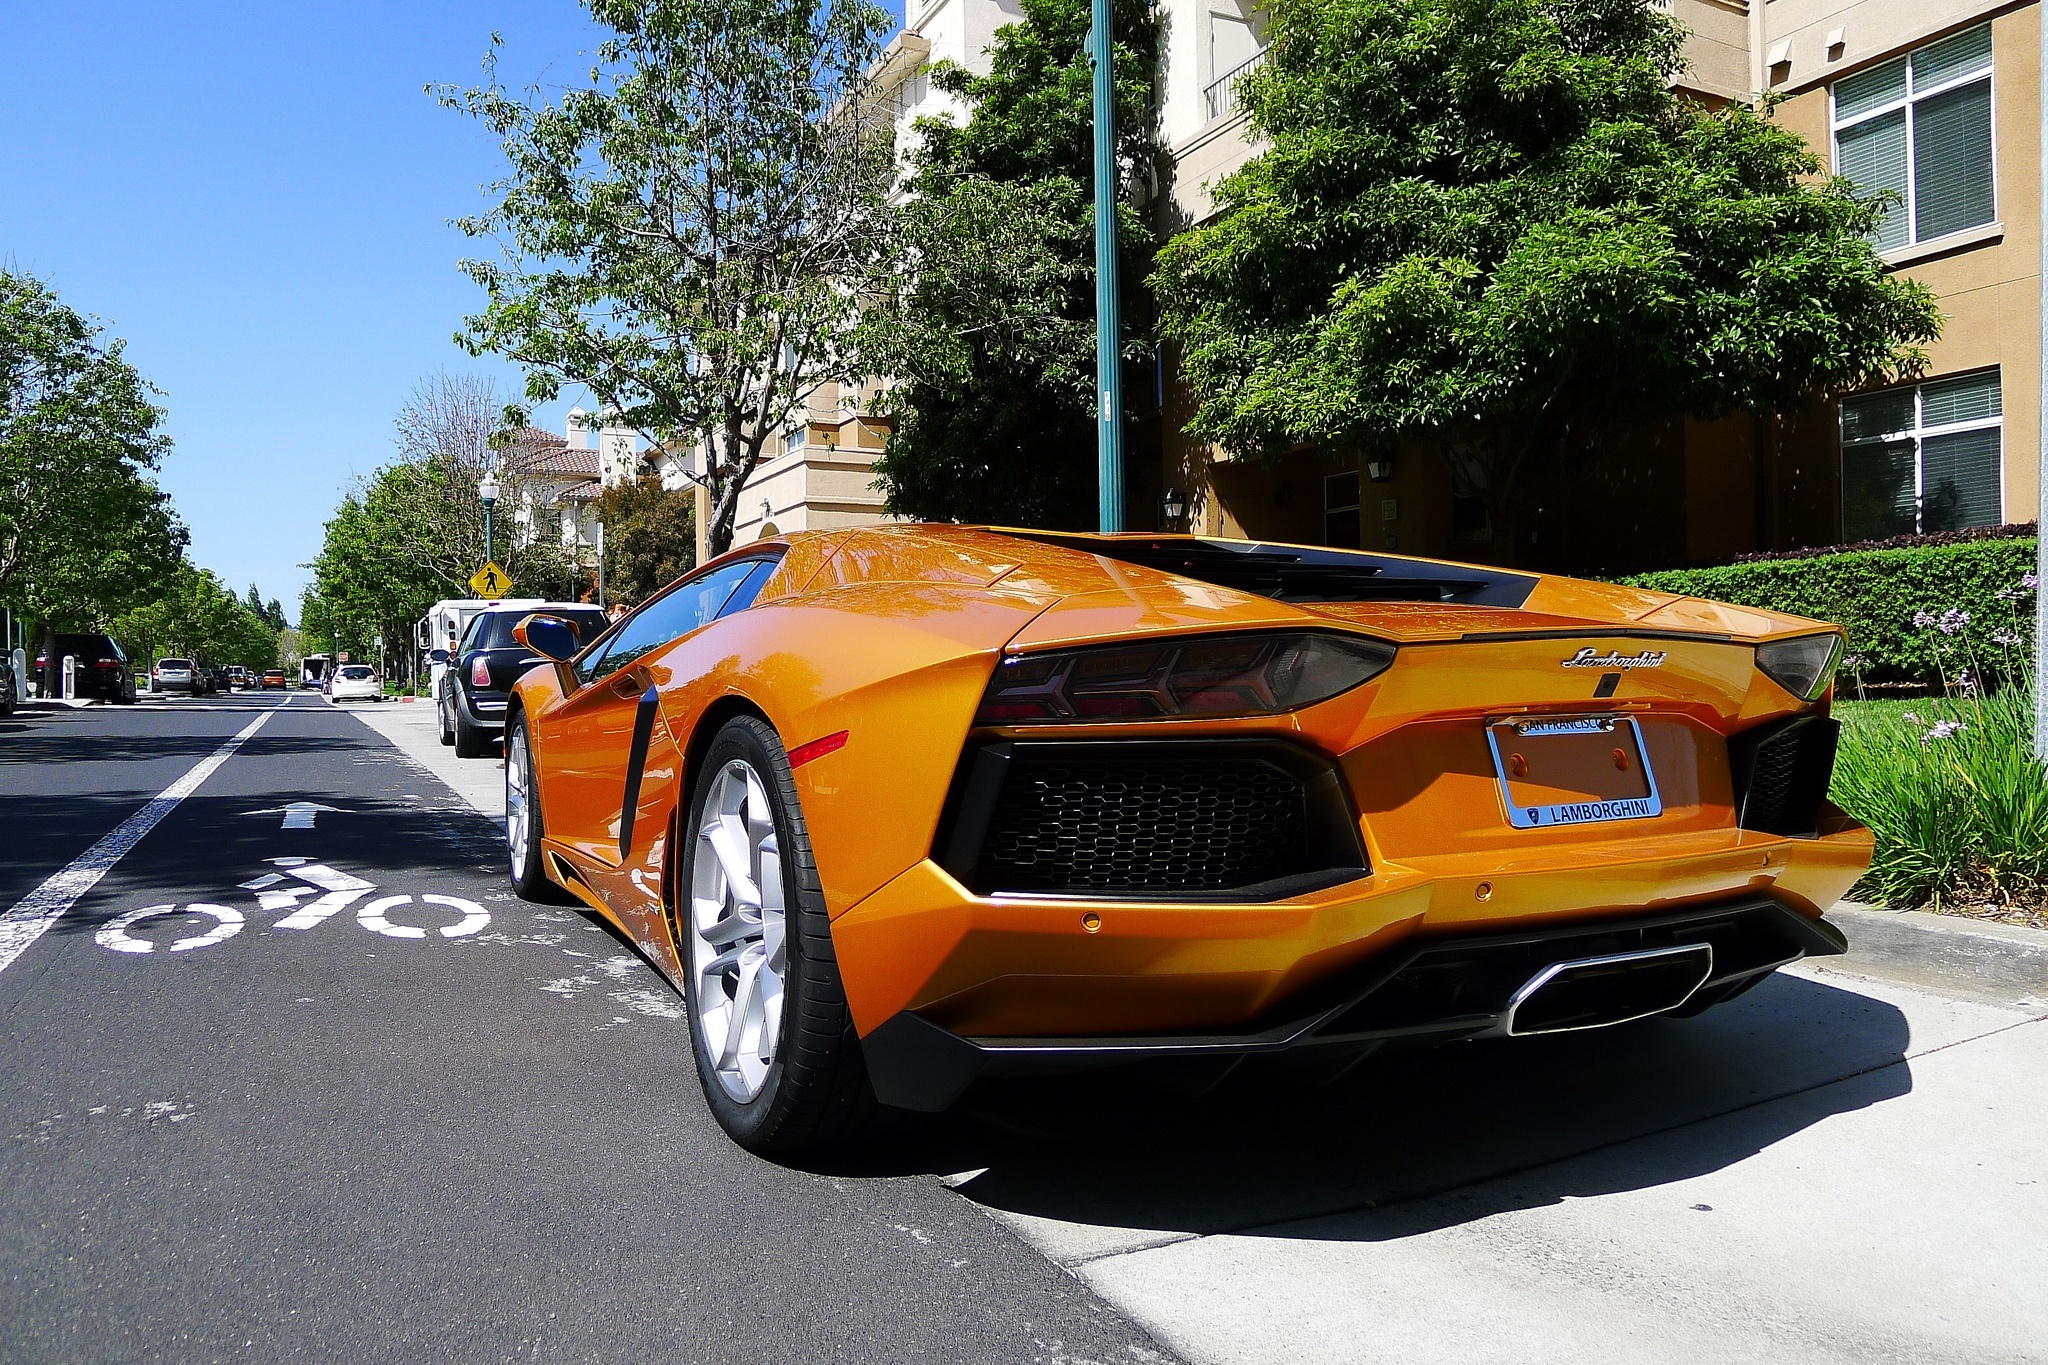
(1876, 594)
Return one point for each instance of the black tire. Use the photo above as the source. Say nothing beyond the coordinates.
(441, 717)
(471, 742)
(815, 1093)
(530, 879)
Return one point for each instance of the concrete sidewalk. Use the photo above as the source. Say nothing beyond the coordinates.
(1832, 1168)
(411, 727)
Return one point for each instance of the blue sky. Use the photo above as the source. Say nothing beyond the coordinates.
(256, 196)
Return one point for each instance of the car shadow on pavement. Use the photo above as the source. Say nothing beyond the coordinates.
(1262, 1150)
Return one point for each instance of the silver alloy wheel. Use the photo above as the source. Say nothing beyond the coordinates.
(518, 819)
(738, 952)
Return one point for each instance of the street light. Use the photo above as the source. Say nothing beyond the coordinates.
(488, 491)
(1109, 381)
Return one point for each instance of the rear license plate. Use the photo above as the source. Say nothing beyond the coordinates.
(1573, 770)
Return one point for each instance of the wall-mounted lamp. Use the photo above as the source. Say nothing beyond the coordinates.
(1380, 469)
(1173, 506)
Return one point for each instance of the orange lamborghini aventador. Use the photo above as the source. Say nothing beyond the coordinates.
(902, 807)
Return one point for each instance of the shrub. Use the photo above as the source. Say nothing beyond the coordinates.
(1951, 789)
(1950, 786)
(1878, 595)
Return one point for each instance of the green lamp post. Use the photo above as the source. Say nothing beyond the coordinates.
(1109, 433)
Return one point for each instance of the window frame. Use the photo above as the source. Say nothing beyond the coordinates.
(1913, 96)
(595, 651)
(1918, 434)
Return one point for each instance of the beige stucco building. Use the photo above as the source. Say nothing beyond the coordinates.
(1938, 99)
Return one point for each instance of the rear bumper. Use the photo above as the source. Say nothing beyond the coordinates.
(1430, 988)
(485, 712)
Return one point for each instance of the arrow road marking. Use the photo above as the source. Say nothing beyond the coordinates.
(298, 815)
(32, 916)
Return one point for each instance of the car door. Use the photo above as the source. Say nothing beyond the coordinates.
(595, 740)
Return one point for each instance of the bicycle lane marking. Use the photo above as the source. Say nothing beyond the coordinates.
(32, 916)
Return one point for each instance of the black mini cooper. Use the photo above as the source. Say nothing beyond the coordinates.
(485, 664)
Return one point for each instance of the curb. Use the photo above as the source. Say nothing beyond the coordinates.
(2003, 963)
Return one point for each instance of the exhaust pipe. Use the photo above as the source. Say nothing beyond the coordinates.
(1594, 992)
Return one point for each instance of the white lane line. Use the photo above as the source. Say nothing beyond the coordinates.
(42, 907)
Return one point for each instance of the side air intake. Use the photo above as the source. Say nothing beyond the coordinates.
(1781, 773)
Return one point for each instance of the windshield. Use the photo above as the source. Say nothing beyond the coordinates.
(357, 671)
(173, 663)
(495, 630)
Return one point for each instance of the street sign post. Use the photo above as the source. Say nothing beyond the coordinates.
(491, 581)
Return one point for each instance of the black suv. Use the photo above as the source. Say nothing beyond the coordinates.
(486, 662)
(102, 669)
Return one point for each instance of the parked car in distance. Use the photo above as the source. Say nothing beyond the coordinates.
(485, 664)
(273, 679)
(174, 675)
(101, 671)
(354, 682)
(216, 678)
(238, 677)
(10, 690)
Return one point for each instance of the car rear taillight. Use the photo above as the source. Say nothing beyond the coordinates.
(480, 671)
(1803, 665)
(1214, 675)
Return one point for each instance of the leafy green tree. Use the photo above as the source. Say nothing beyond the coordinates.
(688, 236)
(650, 536)
(197, 616)
(989, 333)
(1491, 226)
(449, 437)
(84, 531)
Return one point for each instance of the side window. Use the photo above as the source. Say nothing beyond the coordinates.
(669, 617)
(750, 588)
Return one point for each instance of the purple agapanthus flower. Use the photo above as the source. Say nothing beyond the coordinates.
(2006, 637)
(2030, 581)
(1942, 729)
(1952, 621)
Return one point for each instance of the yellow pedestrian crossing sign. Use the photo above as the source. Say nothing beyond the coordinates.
(491, 581)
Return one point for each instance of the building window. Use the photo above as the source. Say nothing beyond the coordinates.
(1923, 458)
(1340, 510)
(1921, 125)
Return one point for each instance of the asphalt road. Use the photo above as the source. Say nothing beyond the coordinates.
(332, 1142)
(348, 1141)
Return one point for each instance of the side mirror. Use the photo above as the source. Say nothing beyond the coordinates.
(437, 656)
(548, 636)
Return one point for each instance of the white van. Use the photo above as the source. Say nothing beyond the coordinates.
(441, 628)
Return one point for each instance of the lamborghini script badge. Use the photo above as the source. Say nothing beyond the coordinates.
(1589, 658)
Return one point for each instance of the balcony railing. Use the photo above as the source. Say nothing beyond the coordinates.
(1221, 93)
